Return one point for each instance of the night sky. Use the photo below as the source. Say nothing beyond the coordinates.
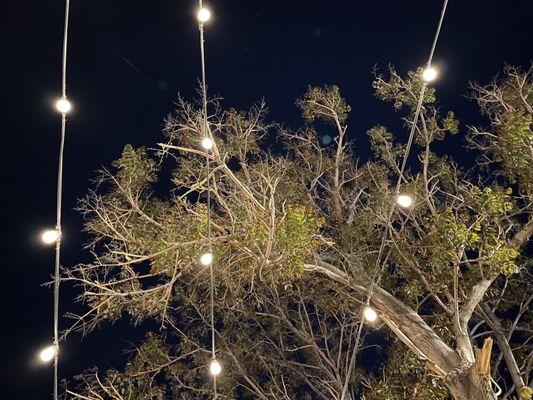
(128, 60)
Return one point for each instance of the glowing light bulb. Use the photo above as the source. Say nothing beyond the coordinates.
(370, 314)
(63, 105)
(50, 236)
(206, 259)
(404, 200)
(214, 367)
(207, 144)
(203, 15)
(429, 74)
(48, 353)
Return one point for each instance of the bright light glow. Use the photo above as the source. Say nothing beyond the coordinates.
(206, 259)
(63, 106)
(203, 15)
(50, 236)
(404, 200)
(215, 368)
(429, 74)
(370, 314)
(48, 353)
(207, 144)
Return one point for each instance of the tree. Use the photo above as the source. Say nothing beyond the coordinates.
(297, 232)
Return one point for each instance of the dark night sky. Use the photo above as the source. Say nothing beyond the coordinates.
(127, 62)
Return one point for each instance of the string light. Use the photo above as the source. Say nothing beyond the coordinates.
(203, 15)
(370, 314)
(50, 236)
(207, 143)
(215, 368)
(404, 200)
(376, 277)
(63, 105)
(206, 259)
(48, 353)
(430, 74)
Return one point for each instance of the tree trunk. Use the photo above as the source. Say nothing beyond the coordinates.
(470, 385)
(401, 319)
(463, 383)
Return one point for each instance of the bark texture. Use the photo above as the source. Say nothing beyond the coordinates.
(463, 379)
(470, 385)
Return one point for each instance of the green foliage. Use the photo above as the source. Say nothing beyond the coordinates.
(405, 378)
(526, 393)
(240, 136)
(381, 142)
(450, 123)
(514, 144)
(135, 168)
(494, 201)
(456, 233)
(503, 259)
(402, 92)
(324, 103)
(508, 102)
(295, 239)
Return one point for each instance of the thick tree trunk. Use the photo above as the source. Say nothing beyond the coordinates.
(401, 319)
(463, 383)
(470, 386)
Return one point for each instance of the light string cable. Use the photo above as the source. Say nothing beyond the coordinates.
(203, 16)
(63, 106)
(379, 266)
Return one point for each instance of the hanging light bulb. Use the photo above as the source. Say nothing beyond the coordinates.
(429, 74)
(50, 236)
(207, 144)
(48, 353)
(370, 314)
(206, 259)
(203, 15)
(214, 367)
(63, 105)
(404, 200)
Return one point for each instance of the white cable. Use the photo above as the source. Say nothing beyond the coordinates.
(421, 97)
(206, 136)
(59, 199)
(376, 278)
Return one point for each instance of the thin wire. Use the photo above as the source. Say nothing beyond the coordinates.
(65, 42)
(437, 33)
(59, 200)
(378, 268)
(208, 168)
(421, 96)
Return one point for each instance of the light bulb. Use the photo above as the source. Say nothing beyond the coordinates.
(206, 259)
(214, 367)
(203, 15)
(207, 144)
(63, 105)
(404, 200)
(429, 74)
(370, 314)
(48, 353)
(50, 236)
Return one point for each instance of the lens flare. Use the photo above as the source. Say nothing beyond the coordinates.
(203, 15)
(215, 368)
(370, 314)
(48, 353)
(63, 106)
(429, 74)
